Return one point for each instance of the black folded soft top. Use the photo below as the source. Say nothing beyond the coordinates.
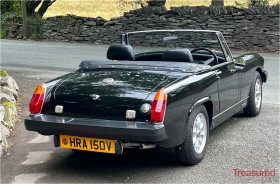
(143, 65)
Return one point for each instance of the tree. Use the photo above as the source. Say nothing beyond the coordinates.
(151, 2)
(42, 4)
(258, 2)
(10, 7)
(217, 3)
(156, 2)
(24, 19)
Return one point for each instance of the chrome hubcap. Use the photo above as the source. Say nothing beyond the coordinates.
(199, 133)
(258, 94)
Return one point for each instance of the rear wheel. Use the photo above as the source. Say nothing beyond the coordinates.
(253, 107)
(193, 149)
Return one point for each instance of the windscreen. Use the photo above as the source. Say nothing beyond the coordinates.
(152, 41)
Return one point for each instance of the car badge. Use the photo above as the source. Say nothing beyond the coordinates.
(94, 96)
(108, 80)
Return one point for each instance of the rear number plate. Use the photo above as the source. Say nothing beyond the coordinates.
(87, 144)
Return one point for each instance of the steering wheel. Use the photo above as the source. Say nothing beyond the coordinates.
(211, 52)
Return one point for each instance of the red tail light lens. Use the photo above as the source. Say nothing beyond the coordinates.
(37, 99)
(158, 107)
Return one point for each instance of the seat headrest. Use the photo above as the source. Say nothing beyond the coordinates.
(120, 52)
(181, 55)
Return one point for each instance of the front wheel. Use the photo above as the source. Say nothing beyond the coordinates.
(193, 149)
(254, 103)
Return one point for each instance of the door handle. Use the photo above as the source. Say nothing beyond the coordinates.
(217, 73)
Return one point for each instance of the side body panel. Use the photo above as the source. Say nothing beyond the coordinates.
(247, 65)
(243, 72)
(228, 90)
(228, 99)
(182, 95)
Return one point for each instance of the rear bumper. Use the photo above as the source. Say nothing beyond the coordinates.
(96, 128)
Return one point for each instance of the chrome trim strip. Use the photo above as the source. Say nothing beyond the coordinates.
(230, 107)
(200, 101)
(172, 30)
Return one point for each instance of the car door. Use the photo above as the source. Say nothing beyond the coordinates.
(228, 84)
(228, 90)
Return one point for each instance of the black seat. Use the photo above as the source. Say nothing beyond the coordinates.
(120, 52)
(180, 55)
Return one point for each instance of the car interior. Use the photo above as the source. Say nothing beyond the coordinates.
(198, 55)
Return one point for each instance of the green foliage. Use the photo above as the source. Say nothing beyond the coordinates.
(251, 3)
(3, 23)
(35, 27)
(3, 33)
(8, 104)
(3, 73)
(258, 3)
(10, 7)
(217, 2)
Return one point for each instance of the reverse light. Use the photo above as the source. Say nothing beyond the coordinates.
(130, 114)
(37, 99)
(158, 107)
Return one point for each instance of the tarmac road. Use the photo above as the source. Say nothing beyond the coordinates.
(239, 143)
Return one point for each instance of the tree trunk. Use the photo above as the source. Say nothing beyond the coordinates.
(156, 2)
(24, 19)
(217, 3)
(44, 7)
(31, 6)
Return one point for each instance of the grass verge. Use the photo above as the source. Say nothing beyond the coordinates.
(115, 8)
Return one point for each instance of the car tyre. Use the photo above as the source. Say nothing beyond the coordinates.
(254, 103)
(190, 153)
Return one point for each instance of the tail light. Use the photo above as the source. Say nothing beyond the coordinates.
(37, 99)
(158, 107)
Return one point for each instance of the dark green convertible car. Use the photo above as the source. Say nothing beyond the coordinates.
(161, 88)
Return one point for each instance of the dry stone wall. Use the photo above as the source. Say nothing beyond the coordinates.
(8, 109)
(255, 28)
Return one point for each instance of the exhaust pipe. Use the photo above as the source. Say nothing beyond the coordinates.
(131, 145)
(147, 146)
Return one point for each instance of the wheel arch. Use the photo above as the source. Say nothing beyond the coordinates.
(262, 73)
(208, 104)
